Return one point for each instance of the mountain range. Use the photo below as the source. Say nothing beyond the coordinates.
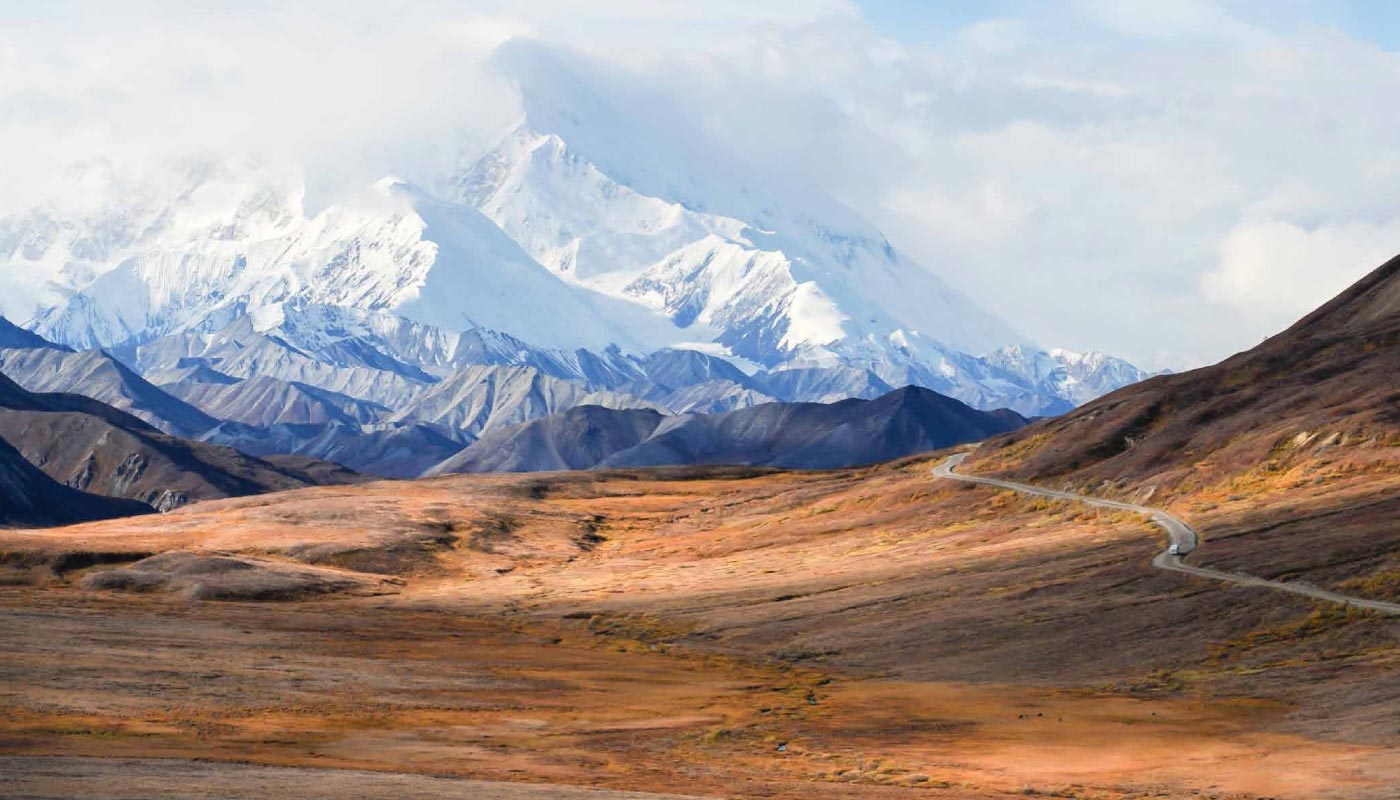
(584, 259)
(793, 435)
(84, 459)
(454, 423)
(580, 244)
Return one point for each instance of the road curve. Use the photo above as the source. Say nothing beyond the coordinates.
(1179, 534)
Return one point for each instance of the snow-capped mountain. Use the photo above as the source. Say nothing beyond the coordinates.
(588, 257)
(1089, 376)
(1074, 378)
(393, 279)
(812, 294)
(558, 255)
(55, 249)
(390, 248)
(398, 281)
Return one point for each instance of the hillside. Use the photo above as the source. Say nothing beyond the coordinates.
(29, 498)
(1284, 457)
(795, 435)
(1325, 384)
(87, 445)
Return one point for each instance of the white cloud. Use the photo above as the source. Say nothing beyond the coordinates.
(1086, 191)
(1280, 271)
(994, 36)
(348, 98)
(354, 89)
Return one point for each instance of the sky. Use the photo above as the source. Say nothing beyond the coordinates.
(1169, 182)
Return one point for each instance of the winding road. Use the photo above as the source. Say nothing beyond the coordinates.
(1183, 540)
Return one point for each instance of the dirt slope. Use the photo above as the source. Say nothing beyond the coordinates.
(1328, 382)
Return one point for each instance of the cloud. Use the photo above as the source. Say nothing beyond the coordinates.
(994, 36)
(1086, 187)
(350, 97)
(353, 90)
(1280, 271)
(1156, 20)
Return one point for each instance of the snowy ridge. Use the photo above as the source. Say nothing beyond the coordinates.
(390, 248)
(562, 269)
(767, 296)
(1074, 377)
(589, 257)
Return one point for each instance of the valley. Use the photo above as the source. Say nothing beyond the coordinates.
(700, 631)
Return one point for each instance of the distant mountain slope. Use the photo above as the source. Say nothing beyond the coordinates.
(824, 385)
(484, 398)
(29, 498)
(263, 401)
(1328, 381)
(710, 397)
(821, 436)
(673, 368)
(580, 438)
(242, 350)
(95, 374)
(391, 450)
(802, 435)
(189, 372)
(92, 447)
(11, 335)
(1064, 379)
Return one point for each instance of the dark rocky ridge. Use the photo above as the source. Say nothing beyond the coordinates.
(29, 498)
(795, 435)
(89, 446)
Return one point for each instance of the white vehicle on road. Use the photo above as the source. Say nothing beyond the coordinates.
(1174, 550)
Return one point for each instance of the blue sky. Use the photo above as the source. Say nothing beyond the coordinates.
(916, 22)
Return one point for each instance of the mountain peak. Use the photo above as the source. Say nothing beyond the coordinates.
(602, 222)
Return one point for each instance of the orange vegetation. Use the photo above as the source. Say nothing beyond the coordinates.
(860, 633)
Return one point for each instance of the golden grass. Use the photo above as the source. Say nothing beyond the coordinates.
(765, 636)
